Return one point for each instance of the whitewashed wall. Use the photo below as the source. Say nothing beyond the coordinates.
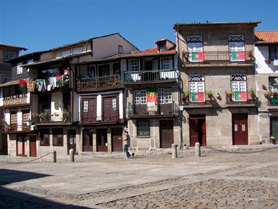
(261, 53)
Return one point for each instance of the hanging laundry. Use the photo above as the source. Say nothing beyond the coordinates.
(275, 63)
(51, 83)
(22, 85)
(40, 84)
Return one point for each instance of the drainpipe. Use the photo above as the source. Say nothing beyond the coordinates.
(179, 89)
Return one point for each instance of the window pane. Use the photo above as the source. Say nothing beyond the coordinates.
(143, 128)
(77, 50)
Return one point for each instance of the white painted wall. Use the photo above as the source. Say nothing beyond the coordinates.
(261, 53)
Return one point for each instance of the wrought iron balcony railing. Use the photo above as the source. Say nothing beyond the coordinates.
(218, 57)
(151, 75)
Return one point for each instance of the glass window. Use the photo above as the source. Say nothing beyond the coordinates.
(237, 47)
(114, 104)
(195, 48)
(57, 137)
(197, 88)
(65, 53)
(44, 137)
(165, 96)
(8, 55)
(273, 52)
(19, 68)
(143, 128)
(140, 96)
(133, 65)
(77, 50)
(238, 86)
(120, 49)
(167, 63)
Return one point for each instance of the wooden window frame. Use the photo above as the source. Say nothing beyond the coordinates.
(58, 137)
(44, 141)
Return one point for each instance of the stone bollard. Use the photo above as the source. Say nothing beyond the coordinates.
(71, 152)
(197, 149)
(54, 157)
(174, 151)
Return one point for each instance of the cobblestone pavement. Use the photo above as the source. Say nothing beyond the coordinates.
(227, 178)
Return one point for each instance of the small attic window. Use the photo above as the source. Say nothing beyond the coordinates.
(120, 49)
(161, 46)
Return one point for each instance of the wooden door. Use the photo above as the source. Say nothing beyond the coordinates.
(102, 140)
(21, 145)
(89, 110)
(197, 126)
(110, 109)
(117, 143)
(166, 133)
(4, 144)
(72, 141)
(240, 129)
(87, 140)
(33, 146)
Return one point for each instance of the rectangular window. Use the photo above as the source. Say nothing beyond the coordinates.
(237, 47)
(195, 48)
(273, 52)
(114, 104)
(77, 50)
(86, 106)
(120, 49)
(167, 63)
(140, 97)
(8, 55)
(133, 65)
(165, 96)
(143, 128)
(44, 137)
(197, 88)
(57, 137)
(238, 86)
(19, 68)
(65, 53)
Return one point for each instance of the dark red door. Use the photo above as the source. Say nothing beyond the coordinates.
(87, 140)
(197, 125)
(89, 110)
(33, 146)
(72, 141)
(110, 109)
(117, 143)
(240, 129)
(4, 144)
(166, 133)
(102, 140)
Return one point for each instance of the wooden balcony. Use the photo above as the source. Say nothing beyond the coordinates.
(14, 128)
(16, 100)
(217, 58)
(96, 83)
(157, 111)
(45, 118)
(153, 76)
(99, 121)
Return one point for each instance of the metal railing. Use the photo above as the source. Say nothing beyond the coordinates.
(151, 75)
(211, 57)
(170, 109)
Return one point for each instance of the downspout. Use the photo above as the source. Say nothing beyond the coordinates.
(179, 90)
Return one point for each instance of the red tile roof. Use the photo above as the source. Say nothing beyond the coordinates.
(266, 36)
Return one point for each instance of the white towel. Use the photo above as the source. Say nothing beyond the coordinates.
(275, 63)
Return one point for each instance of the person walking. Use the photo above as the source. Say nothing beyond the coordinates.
(126, 143)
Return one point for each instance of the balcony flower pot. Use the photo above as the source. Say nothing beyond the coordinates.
(267, 61)
(266, 95)
(263, 87)
(272, 140)
(218, 96)
(209, 94)
(252, 93)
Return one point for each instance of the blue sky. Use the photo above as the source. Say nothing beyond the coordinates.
(45, 24)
